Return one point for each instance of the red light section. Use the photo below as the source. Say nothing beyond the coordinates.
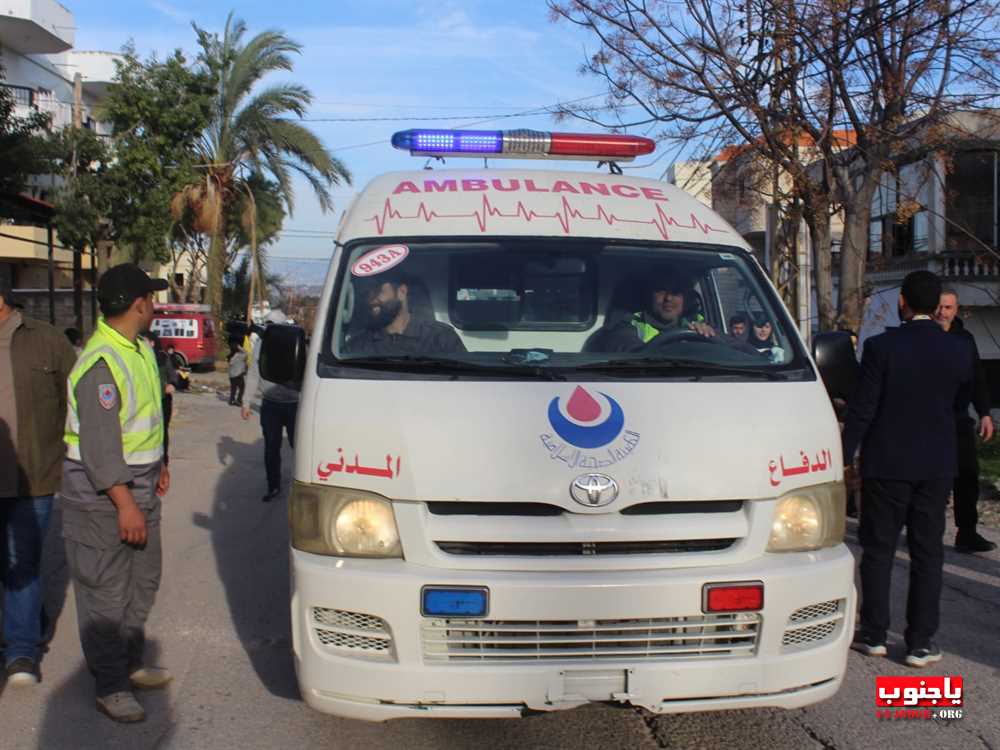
(584, 144)
(742, 597)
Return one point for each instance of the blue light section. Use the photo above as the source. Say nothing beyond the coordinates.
(449, 141)
(447, 602)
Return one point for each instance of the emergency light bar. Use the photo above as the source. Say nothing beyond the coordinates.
(522, 144)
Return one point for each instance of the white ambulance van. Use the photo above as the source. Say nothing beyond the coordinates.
(538, 462)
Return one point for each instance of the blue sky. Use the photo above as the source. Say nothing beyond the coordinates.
(466, 61)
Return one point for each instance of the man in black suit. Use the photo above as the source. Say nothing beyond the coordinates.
(965, 492)
(902, 417)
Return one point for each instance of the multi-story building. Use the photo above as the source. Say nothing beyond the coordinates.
(694, 178)
(940, 211)
(45, 74)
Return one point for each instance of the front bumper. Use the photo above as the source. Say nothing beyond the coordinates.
(406, 684)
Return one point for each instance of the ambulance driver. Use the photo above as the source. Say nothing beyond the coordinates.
(394, 327)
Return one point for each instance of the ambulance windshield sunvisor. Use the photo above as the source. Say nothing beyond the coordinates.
(530, 144)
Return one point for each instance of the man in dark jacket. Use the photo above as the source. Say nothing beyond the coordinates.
(965, 491)
(902, 416)
(35, 360)
(394, 327)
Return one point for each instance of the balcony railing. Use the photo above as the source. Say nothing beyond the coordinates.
(949, 265)
(968, 265)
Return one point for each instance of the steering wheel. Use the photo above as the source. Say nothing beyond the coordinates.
(671, 337)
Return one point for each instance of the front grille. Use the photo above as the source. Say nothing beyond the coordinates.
(570, 549)
(810, 626)
(462, 508)
(808, 635)
(655, 508)
(353, 633)
(338, 618)
(669, 507)
(695, 637)
(815, 611)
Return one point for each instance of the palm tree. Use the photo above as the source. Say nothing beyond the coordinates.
(252, 138)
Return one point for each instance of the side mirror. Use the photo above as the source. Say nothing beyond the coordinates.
(237, 329)
(838, 366)
(283, 355)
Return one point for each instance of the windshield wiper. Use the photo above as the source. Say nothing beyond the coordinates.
(692, 365)
(450, 366)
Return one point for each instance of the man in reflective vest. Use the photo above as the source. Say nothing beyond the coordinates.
(113, 478)
(668, 309)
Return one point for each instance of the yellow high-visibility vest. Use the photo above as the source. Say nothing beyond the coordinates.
(649, 332)
(133, 367)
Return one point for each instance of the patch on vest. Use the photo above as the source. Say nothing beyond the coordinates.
(107, 396)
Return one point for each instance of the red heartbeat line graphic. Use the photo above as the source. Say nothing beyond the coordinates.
(564, 216)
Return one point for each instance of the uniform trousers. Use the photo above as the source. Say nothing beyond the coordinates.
(115, 586)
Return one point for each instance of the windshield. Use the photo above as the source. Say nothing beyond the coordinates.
(533, 308)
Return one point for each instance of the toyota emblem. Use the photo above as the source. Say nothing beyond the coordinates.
(594, 490)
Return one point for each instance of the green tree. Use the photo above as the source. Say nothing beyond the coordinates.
(236, 291)
(157, 112)
(22, 144)
(81, 158)
(251, 133)
(189, 247)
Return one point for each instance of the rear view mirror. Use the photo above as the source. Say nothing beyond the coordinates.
(838, 366)
(283, 354)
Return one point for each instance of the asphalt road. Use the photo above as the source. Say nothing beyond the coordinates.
(221, 625)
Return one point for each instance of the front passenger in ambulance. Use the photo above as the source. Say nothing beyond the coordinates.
(395, 326)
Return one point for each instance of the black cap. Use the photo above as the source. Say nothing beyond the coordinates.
(125, 283)
(668, 280)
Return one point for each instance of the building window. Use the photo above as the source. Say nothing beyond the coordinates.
(875, 236)
(971, 202)
(921, 232)
(902, 237)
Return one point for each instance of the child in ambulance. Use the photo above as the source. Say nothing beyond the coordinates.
(762, 338)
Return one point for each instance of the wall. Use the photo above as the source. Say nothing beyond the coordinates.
(35, 304)
(694, 178)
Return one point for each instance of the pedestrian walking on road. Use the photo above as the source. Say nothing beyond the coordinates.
(965, 490)
(35, 360)
(279, 405)
(902, 417)
(113, 479)
(237, 372)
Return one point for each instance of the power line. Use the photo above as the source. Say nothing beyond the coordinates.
(543, 109)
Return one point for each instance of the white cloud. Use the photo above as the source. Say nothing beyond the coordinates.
(170, 11)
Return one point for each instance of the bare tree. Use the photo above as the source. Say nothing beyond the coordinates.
(830, 92)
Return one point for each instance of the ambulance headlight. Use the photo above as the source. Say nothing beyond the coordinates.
(808, 519)
(342, 522)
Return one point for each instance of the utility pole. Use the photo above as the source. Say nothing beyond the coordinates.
(52, 272)
(77, 251)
